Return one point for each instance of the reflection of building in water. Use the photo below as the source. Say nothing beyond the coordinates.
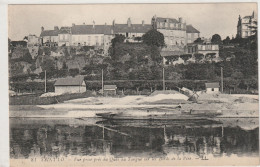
(55, 140)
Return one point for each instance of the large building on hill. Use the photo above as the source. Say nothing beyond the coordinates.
(246, 26)
(176, 33)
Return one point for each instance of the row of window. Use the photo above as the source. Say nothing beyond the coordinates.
(171, 25)
(207, 47)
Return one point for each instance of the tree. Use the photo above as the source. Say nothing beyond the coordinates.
(185, 57)
(48, 65)
(153, 38)
(198, 57)
(119, 38)
(198, 40)
(226, 41)
(73, 72)
(216, 39)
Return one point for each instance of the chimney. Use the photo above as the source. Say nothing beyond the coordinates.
(73, 24)
(129, 22)
(42, 28)
(113, 23)
(180, 19)
(142, 22)
(93, 24)
(56, 28)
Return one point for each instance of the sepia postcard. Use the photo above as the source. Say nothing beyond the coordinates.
(170, 84)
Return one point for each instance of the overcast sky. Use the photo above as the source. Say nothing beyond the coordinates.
(209, 19)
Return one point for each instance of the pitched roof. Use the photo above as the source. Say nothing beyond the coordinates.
(191, 29)
(108, 87)
(49, 33)
(212, 85)
(89, 29)
(70, 81)
(134, 28)
(171, 20)
(247, 17)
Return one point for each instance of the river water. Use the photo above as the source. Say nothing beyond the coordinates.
(38, 137)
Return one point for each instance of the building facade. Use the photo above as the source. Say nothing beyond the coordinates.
(33, 40)
(246, 26)
(174, 32)
(212, 87)
(132, 32)
(191, 34)
(70, 85)
(49, 37)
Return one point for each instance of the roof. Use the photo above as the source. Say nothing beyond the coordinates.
(64, 31)
(171, 20)
(89, 29)
(110, 87)
(135, 28)
(171, 53)
(212, 85)
(70, 81)
(49, 33)
(247, 17)
(191, 29)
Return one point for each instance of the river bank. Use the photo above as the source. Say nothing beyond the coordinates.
(229, 105)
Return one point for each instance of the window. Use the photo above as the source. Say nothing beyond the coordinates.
(212, 89)
(161, 24)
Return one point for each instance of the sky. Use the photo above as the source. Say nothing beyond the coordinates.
(208, 18)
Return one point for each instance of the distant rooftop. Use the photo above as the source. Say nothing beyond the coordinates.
(212, 85)
(191, 29)
(70, 81)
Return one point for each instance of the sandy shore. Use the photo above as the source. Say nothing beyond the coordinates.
(229, 105)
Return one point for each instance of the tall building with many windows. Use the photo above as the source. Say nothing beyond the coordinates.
(246, 26)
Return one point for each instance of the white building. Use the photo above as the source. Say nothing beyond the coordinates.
(49, 37)
(212, 87)
(70, 85)
(246, 26)
(33, 40)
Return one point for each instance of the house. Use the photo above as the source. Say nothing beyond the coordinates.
(132, 32)
(209, 50)
(92, 35)
(246, 26)
(110, 90)
(173, 30)
(212, 87)
(70, 85)
(64, 36)
(49, 37)
(33, 40)
(192, 34)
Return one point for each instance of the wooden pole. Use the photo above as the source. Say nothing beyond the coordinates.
(45, 82)
(102, 82)
(163, 81)
(221, 79)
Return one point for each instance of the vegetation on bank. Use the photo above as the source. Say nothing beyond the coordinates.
(136, 66)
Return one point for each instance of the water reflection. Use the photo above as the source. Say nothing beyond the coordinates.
(64, 137)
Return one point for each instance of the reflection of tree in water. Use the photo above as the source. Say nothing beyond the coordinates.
(67, 140)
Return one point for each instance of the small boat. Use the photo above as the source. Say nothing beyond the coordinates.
(155, 115)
